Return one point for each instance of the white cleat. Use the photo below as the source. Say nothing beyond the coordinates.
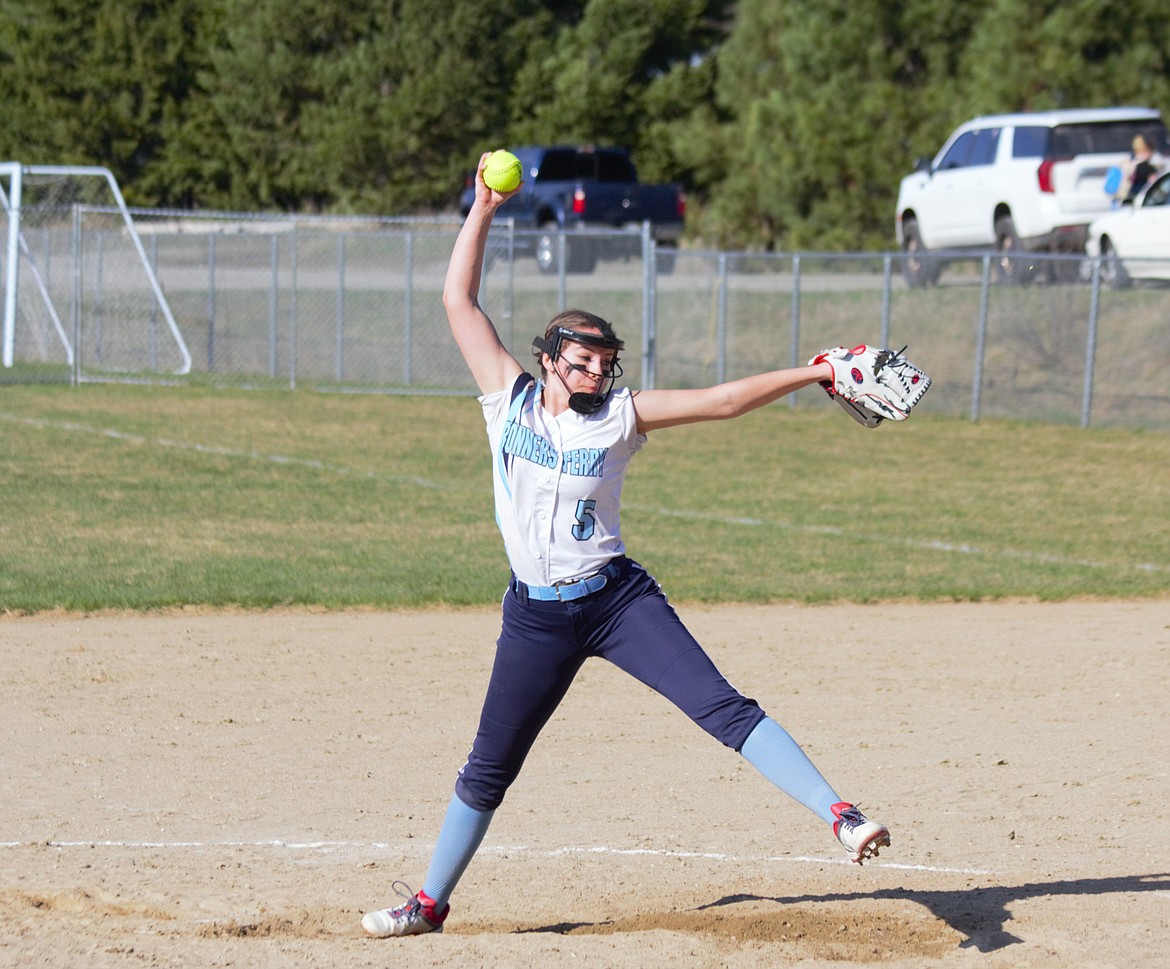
(414, 917)
(861, 837)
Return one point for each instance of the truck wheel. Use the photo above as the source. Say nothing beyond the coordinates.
(546, 248)
(1015, 264)
(919, 268)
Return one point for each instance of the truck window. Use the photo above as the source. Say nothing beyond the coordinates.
(586, 166)
(570, 165)
(558, 166)
(613, 166)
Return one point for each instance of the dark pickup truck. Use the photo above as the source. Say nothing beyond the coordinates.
(570, 188)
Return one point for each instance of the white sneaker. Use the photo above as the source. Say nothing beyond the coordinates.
(861, 837)
(414, 917)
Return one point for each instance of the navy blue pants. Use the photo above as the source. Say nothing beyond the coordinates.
(542, 646)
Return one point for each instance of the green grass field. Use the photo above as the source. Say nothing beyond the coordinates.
(121, 497)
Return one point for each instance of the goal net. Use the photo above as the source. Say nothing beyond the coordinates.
(80, 293)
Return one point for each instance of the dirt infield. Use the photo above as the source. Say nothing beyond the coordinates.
(235, 789)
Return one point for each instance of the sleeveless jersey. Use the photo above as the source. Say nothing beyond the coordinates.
(558, 481)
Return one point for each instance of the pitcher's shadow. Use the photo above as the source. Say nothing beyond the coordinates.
(980, 914)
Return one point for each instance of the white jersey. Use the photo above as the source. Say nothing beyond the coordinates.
(558, 482)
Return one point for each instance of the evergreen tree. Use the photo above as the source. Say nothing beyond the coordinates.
(96, 82)
(622, 75)
(1068, 53)
(789, 122)
(819, 101)
(412, 105)
(267, 70)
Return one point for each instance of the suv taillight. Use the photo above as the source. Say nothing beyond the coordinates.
(579, 202)
(1044, 175)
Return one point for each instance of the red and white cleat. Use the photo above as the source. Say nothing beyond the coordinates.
(861, 837)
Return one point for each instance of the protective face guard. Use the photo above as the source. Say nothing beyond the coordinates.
(583, 403)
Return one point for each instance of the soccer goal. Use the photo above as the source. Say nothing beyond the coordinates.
(80, 292)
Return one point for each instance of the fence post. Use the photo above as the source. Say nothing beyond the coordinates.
(77, 292)
(510, 296)
(721, 323)
(339, 336)
(887, 282)
(562, 270)
(649, 310)
(99, 311)
(211, 302)
(981, 338)
(273, 305)
(1091, 342)
(292, 314)
(408, 312)
(794, 337)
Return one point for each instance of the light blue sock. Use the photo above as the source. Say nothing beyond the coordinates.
(771, 751)
(463, 830)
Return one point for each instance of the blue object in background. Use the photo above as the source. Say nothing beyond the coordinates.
(1113, 180)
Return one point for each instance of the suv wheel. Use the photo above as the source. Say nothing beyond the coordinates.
(1015, 264)
(918, 268)
(1113, 273)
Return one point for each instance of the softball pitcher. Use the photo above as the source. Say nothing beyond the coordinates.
(560, 448)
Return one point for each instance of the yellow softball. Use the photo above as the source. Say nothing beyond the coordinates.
(502, 171)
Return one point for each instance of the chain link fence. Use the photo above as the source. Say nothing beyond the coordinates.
(354, 305)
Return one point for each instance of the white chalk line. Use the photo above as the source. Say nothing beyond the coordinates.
(225, 452)
(327, 846)
(929, 545)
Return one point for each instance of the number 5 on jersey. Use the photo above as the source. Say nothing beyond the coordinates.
(583, 530)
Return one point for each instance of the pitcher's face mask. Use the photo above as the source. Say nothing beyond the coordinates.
(581, 401)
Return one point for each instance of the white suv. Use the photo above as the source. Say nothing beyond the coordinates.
(1016, 181)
